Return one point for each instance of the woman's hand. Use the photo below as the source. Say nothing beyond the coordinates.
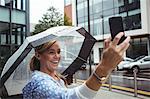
(112, 54)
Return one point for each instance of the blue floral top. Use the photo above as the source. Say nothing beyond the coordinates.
(43, 86)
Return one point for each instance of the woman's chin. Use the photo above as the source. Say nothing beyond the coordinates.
(55, 67)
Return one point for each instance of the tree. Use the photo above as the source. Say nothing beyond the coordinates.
(67, 21)
(52, 18)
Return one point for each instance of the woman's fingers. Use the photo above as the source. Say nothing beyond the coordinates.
(113, 53)
(107, 42)
(121, 48)
(124, 45)
(117, 38)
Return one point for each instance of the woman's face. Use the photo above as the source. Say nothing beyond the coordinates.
(51, 57)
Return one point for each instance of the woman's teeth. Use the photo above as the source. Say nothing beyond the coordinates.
(54, 62)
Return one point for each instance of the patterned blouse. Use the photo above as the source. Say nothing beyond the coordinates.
(43, 86)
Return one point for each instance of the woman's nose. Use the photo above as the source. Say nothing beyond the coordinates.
(57, 55)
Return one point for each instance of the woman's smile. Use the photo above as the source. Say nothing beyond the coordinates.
(54, 62)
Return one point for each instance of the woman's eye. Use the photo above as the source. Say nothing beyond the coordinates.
(54, 52)
(59, 52)
(51, 52)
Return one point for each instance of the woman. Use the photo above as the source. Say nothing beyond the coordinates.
(46, 84)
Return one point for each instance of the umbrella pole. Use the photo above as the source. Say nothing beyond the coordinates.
(90, 68)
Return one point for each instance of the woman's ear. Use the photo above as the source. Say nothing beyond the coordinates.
(37, 55)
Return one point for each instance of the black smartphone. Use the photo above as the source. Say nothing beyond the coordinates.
(116, 26)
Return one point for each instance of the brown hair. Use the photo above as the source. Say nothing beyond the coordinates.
(35, 63)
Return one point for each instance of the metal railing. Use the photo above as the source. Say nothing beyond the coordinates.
(134, 78)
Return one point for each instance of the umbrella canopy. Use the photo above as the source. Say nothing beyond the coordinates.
(75, 42)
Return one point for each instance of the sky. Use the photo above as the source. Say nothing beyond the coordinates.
(39, 7)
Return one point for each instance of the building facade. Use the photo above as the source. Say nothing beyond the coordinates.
(14, 27)
(136, 22)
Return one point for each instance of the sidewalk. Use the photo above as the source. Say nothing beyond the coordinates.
(104, 93)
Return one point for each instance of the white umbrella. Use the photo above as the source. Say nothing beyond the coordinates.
(16, 71)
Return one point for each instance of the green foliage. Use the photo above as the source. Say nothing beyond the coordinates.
(50, 19)
(67, 22)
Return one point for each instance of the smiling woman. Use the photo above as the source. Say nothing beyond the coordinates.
(46, 83)
(44, 65)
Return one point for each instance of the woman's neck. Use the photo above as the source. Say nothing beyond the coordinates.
(49, 72)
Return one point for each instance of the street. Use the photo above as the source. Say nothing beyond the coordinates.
(123, 79)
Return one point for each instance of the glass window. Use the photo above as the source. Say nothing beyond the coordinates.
(24, 31)
(147, 59)
(19, 36)
(19, 40)
(131, 1)
(80, 10)
(97, 15)
(108, 12)
(134, 5)
(7, 37)
(19, 4)
(80, 6)
(91, 6)
(86, 26)
(97, 27)
(85, 18)
(97, 1)
(116, 10)
(138, 47)
(67, 2)
(12, 39)
(118, 3)
(80, 19)
(92, 17)
(80, 13)
(100, 52)
(97, 8)
(24, 3)
(3, 39)
(85, 11)
(4, 55)
(79, 1)
(81, 25)
(132, 22)
(106, 26)
(92, 28)
(85, 3)
(122, 14)
(108, 4)
(134, 12)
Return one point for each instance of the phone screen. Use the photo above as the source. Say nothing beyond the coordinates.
(116, 26)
